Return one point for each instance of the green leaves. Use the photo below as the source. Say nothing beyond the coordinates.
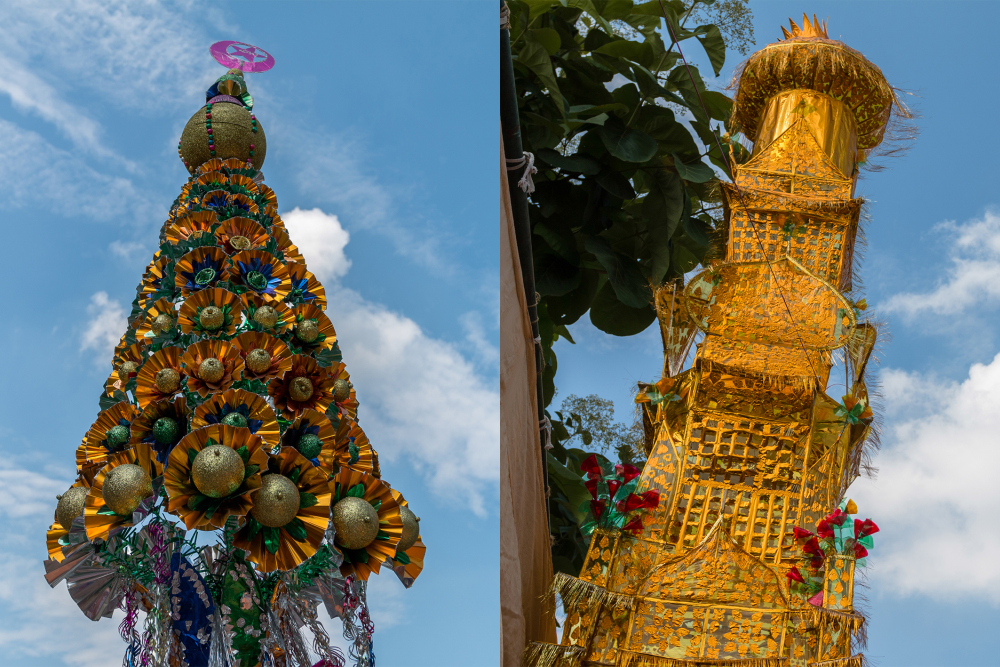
(356, 491)
(625, 144)
(715, 47)
(698, 172)
(535, 57)
(244, 454)
(296, 529)
(627, 281)
(611, 316)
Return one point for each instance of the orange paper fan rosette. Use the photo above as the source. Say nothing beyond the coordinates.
(152, 278)
(146, 390)
(348, 433)
(99, 521)
(285, 245)
(237, 234)
(265, 191)
(144, 328)
(175, 409)
(328, 336)
(320, 379)
(305, 286)
(211, 180)
(136, 352)
(408, 571)
(215, 164)
(317, 423)
(200, 269)
(243, 202)
(314, 518)
(191, 226)
(222, 350)
(252, 301)
(239, 182)
(93, 449)
(181, 489)
(363, 562)
(214, 409)
(229, 303)
(281, 356)
(273, 281)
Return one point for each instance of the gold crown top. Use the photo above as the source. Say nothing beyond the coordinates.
(814, 29)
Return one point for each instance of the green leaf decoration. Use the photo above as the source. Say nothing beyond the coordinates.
(244, 453)
(336, 493)
(296, 529)
(294, 475)
(253, 527)
(212, 507)
(192, 454)
(382, 535)
(307, 500)
(271, 539)
(401, 557)
(356, 491)
(355, 453)
(106, 511)
(376, 503)
(251, 469)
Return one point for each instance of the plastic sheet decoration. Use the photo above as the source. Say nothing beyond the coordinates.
(228, 417)
(741, 560)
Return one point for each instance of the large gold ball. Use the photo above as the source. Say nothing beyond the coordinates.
(276, 502)
(411, 529)
(341, 391)
(125, 487)
(211, 317)
(162, 323)
(356, 523)
(167, 380)
(211, 370)
(300, 389)
(70, 506)
(126, 369)
(266, 316)
(258, 360)
(217, 471)
(307, 331)
(232, 134)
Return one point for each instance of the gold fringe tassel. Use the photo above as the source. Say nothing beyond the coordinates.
(573, 591)
(540, 654)
(629, 659)
(853, 661)
(854, 622)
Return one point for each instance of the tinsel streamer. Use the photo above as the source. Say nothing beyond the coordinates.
(153, 650)
(358, 627)
(220, 647)
(127, 629)
(329, 656)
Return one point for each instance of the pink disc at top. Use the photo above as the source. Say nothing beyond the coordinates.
(242, 56)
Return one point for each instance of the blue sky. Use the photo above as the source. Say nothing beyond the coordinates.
(932, 270)
(382, 152)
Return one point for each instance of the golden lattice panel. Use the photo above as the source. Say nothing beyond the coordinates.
(822, 245)
(788, 363)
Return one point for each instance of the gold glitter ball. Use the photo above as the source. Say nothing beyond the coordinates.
(232, 132)
(125, 487)
(127, 368)
(300, 389)
(258, 360)
(356, 523)
(211, 318)
(307, 331)
(162, 323)
(240, 242)
(70, 506)
(211, 370)
(167, 380)
(276, 502)
(411, 529)
(217, 471)
(341, 391)
(266, 316)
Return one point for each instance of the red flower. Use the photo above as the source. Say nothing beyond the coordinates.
(652, 499)
(597, 507)
(794, 575)
(859, 550)
(812, 547)
(591, 485)
(634, 526)
(633, 502)
(816, 600)
(591, 467)
(627, 472)
(864, 528)
(613, 486)
(837, 517)
(801, 533)
(816, 563)
(824, 529)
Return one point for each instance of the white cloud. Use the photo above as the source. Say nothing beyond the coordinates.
(130, 251)
(974, 277)
(106, 326)
(325, 238)
(936, 496)
(420, 397)
(487, 354)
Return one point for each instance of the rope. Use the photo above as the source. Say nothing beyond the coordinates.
(739, 194)
(527, 160)
(505, 17)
